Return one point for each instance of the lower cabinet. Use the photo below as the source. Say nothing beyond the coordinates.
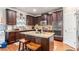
(19, 36)
(46, 43)
(31, 38)
(38, 40)
(12, 37)
(58, 35)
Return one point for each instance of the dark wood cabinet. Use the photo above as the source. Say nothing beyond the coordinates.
(11, 37)
(47, 17)
(29, 20)
(46, 43)
(50, 19)
(44, 16)
(11, 17)
(31, 38)
(58, 24)
(58, 18)
(38, 40)
(37, 20)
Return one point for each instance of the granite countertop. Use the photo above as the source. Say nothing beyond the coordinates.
(42, 35)
(15, 28)
(18, 30)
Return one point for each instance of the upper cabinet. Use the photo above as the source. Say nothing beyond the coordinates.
(58, 19)
(39, 18)
(55, 18)
(35, 20)
(11, 17)
(58, 24)
(44, 16)
(29, 20)
(48, 18)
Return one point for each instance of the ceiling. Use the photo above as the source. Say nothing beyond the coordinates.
(36, 10)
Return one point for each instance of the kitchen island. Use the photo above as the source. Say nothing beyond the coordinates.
(44, 38)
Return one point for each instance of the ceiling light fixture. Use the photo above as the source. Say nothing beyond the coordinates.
(34, 10)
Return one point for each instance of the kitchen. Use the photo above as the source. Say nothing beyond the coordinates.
(42, 26)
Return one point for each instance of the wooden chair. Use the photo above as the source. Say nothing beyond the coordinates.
(33, 46)
(22, 44)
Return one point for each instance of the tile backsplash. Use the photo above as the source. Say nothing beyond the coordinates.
(9, 27)
(12, 27)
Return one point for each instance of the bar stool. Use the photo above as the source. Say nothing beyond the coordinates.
(33, 46)
(22, 43)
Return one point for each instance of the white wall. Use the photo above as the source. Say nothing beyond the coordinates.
(69, 26)
(3, 15)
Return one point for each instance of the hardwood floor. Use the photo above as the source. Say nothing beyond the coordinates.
(58, 46)
(11, 47)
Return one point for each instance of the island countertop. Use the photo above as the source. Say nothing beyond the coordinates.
(42, 35)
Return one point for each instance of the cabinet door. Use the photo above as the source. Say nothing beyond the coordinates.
(37, 20)
(11, 17)
(45, 17)
(11, 37)
(38, 40)
(60, 21)
(50, 19)
(29, 20)
(55, 21)
(60, 15)
(60, 18)
(58, 24)
(31, 38)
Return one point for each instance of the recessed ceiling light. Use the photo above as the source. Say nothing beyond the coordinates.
(34, 10)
